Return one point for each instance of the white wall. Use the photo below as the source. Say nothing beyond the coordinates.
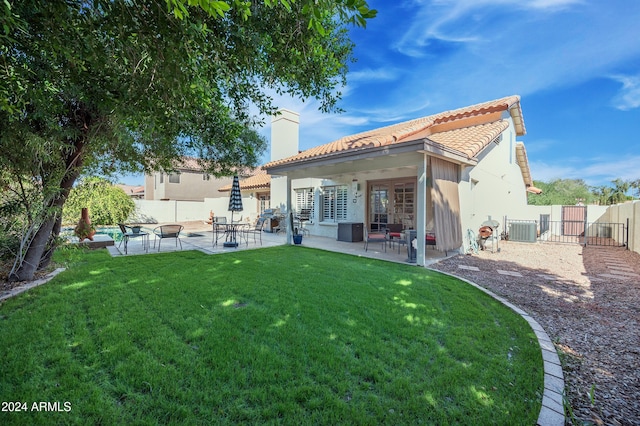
(284, 134)
(156, 211)
(494, 187)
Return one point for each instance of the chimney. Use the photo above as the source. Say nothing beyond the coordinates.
(284, 134)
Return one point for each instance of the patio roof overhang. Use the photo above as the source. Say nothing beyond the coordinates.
(408, 154)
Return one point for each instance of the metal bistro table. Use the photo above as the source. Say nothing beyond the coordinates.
(144, 236)
(231, 233)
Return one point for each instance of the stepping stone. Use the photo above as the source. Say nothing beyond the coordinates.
(547, 277)
(617, 277)
(469, 268)
(511, 273)
(629, 274)
(620, 268)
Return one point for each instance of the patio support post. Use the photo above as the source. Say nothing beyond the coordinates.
(421, 210)
(289, 212)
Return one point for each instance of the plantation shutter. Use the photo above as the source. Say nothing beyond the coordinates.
(334, 203)
(341, 203)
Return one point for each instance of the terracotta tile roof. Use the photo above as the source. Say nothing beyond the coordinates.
(470, 140)
(441, 128)
(259, 180)
(523, 162)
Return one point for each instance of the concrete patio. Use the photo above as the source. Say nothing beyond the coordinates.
(199, 239)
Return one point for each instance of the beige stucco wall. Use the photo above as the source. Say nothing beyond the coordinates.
(157, 211)
(192, 187)
(494, 187)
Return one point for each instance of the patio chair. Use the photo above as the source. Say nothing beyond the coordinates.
(219, 228)
(255, 230)
(128, 232)
(375, 237)
(167, 231)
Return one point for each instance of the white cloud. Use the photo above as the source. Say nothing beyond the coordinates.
(629, 96)
(595, 171)
(380, 74)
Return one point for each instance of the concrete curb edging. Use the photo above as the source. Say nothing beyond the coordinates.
(552, 410)
(29, 285)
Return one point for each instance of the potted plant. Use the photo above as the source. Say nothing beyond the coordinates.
(85, 230)
(297, 236)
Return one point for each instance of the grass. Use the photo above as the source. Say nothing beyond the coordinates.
(280, 335)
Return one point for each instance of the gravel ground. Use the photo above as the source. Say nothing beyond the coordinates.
(588, 301)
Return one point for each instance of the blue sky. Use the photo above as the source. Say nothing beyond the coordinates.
(575, 64)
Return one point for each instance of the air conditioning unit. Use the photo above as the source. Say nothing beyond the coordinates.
(523, 231)
(604, 231)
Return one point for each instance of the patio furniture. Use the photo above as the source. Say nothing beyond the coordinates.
(255, 230)
(167, 231)
(219, 228)
(129, 232)
(394, 233)
(375, 237)
(231, 234)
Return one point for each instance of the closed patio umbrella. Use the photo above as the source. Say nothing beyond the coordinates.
(235, 205)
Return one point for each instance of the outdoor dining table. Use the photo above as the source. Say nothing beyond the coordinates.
(231, 232)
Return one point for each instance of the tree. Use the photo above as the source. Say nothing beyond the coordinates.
(608, 195)
(108, 204)
(561, 192)
(101, 86)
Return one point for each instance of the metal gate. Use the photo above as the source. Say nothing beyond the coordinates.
(573, 220)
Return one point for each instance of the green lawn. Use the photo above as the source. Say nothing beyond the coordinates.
(280, 335)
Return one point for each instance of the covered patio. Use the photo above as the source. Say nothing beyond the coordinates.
(199, 237)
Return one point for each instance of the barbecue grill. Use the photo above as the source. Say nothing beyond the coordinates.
(489, 231)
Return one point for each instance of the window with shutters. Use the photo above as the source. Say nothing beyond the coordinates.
(304, 202)
(334, 203)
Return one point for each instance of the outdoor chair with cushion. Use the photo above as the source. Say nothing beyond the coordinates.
(380, 236)
(129, 232)
(167, 231)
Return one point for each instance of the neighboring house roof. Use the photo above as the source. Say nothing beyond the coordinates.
(192, 164)
(464, 132)
(259, 180)
(132, 190)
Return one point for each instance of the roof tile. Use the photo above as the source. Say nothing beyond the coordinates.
(460, 135)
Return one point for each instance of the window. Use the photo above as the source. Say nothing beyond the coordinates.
(206, 176)
(334, 203)
(304, 202)
(161, 177)
(174, 178)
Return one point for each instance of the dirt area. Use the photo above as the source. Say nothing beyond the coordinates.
(588, 301)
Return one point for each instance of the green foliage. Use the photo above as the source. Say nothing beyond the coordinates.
(566, 192)
(608, 195)
(107, 86)
(188, 338)
(107, 204)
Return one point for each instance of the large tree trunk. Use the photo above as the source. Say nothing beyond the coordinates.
(39, 251)
(51, 244)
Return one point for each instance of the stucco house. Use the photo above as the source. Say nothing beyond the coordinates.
(189, 183)
(446, 173)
